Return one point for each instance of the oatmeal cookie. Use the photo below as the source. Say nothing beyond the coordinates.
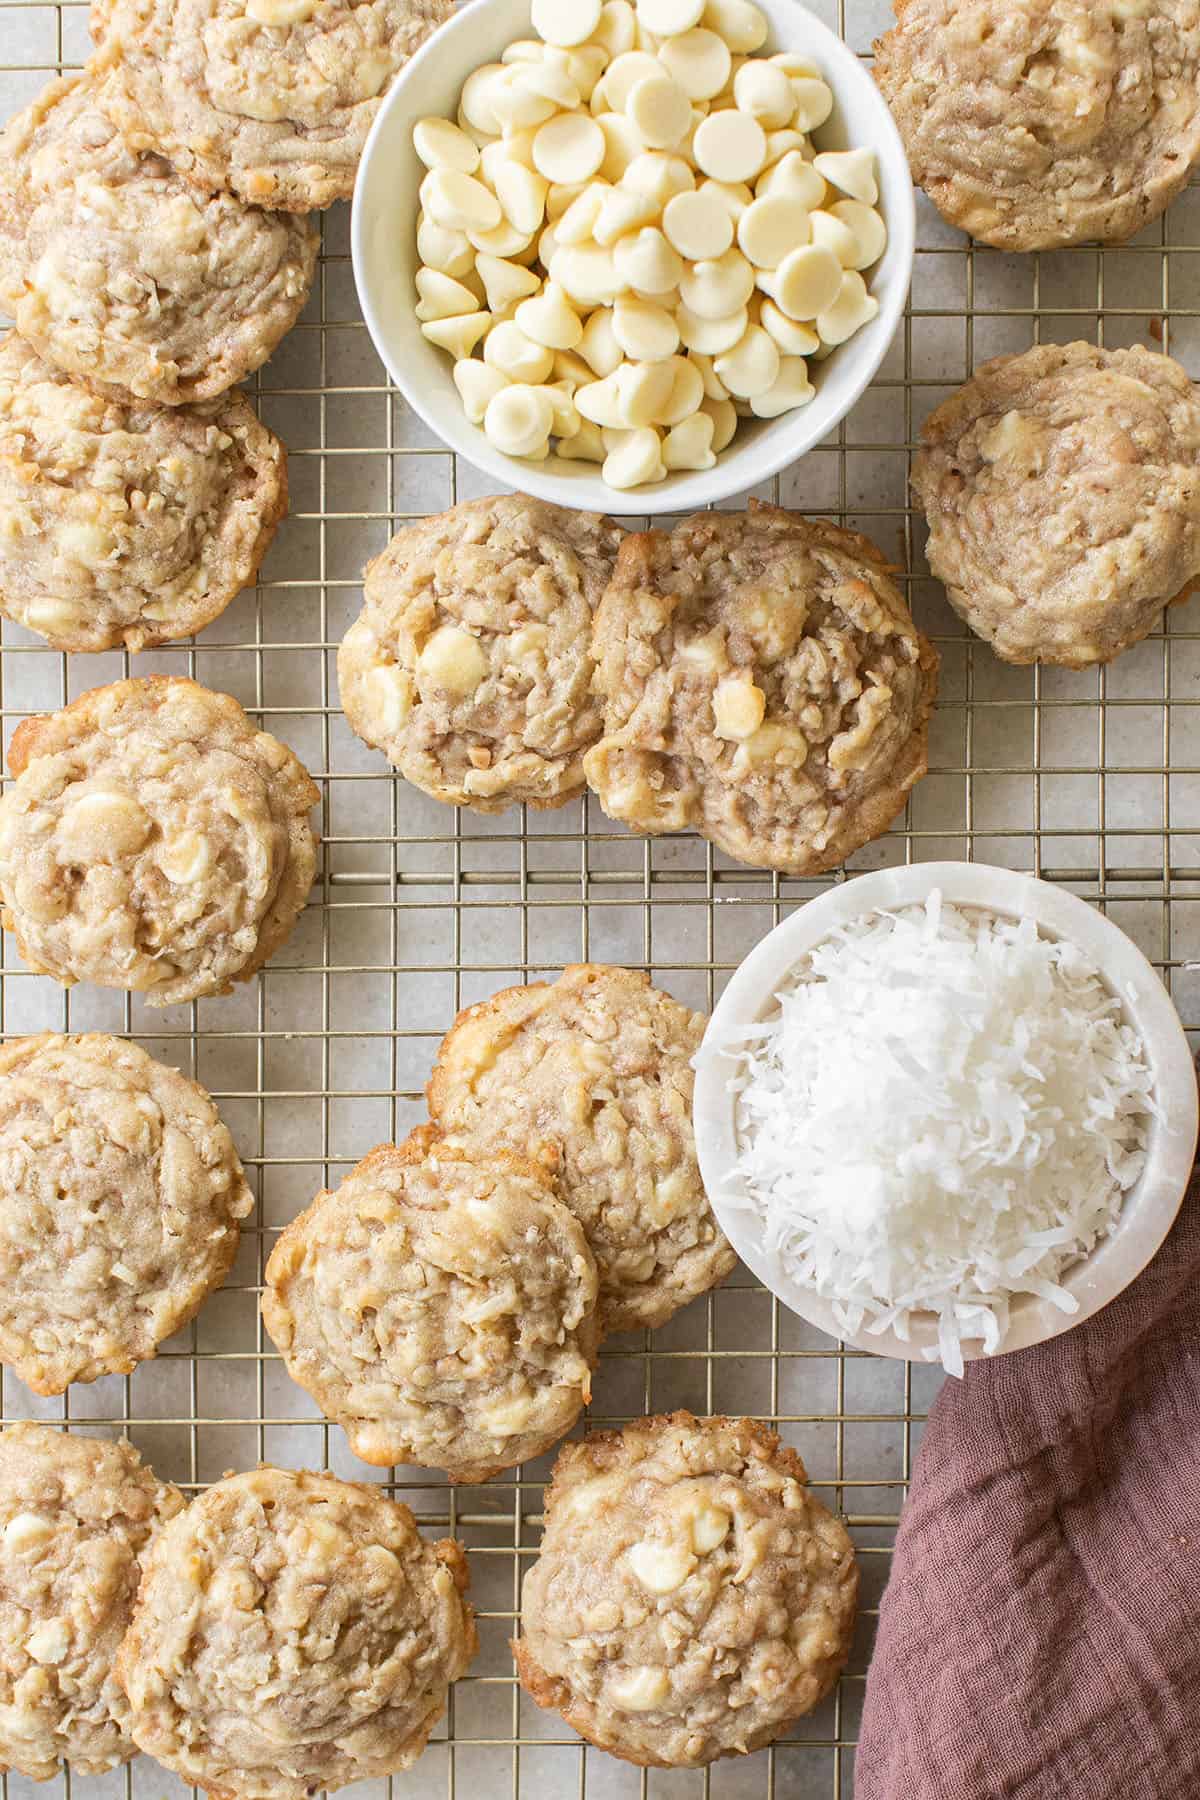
(763, 683)
(153, 840)
(117, 271)
(76, 1515)
(293, 1632)
(270, 98)
(440, 1306)
(120, 1198)
(1037, 123)
(468, 666)
(126, 524)
(594, 1071)
(690, 1598)
(1062, 489)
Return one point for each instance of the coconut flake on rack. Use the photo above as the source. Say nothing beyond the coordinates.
(946, 1112)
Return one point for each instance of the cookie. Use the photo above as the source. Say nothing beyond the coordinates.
(468, 665)
(763, 684)
(1062, 490)
(76, 1516)
(690, 1598)
(594, 1071)
(120, 1197)
(293, 1632)
(124, 524)
(153, 840)
(117, 271)
(272, 99)
(440, 1306)
(1037, 123)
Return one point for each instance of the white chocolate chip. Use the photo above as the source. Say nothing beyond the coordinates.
(459, 202)
(599, 346)
(796, 178)
(853, 171)
(710, 337)
(793, 337)
(835, 235)
(518, 420)
(689, 445)
(730, 146)
(790, 389)
(588, 274)
(806, 282)
(660, 110)
(458, 335)
(101, 828)
(26, 1531)
(636, 462)
(49, 1642)
(517, 356)
(447, 251)
(870, 232)
(771, 228)
(504, 282)
(658, 177)
(724, 416)
(710, 1527)
(661, 1568)
(734, 196)
(600, 402)
(643, 392)
(549, 319)
(699, 61)
(452, 660)
(623, 211)
(522, 193)
(576, 224)
(565, 22)
(853, 308)
(687, 391)
(390, 696)
(646, 262)
(569, 148)
(477, 386)
(623, 75)
(567, 419)
(713, 386)
(645, 332)
(814, 102)
(617, 29)
(714, 289)
(184, 857)
(516, 147)
(639, 1689)
(504, 240)
(765, 93)
(587, 445)
(477, 95)
(742, 25)
(698, 226)
(738, 707)
(752, 366)
(441, 145)
(667, 18)
(441, 297)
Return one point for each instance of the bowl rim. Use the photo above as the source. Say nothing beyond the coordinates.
(1151, 1206)
(781, 442)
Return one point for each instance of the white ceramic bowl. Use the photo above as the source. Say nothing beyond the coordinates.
(1150, 1207)
(383, 243)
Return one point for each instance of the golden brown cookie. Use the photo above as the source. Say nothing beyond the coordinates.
(1062, 490)
(153, 840)
(594, 1070)
(469, 664)
(1037, 123)
(690, 1597)
(440, 1306)
(76, 1517)
(293, 1632)
(763, 684)
(122, 523)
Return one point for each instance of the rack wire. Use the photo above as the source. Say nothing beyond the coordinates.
(1089, 779)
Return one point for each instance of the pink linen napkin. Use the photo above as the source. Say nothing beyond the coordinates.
(1040, 1635)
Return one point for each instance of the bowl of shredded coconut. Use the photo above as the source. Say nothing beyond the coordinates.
(945, 1111)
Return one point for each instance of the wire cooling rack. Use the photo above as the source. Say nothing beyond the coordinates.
(1091, 780)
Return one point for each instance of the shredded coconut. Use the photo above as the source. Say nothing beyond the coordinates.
(946, 1111)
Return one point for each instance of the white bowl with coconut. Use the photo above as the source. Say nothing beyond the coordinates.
(946, 1111)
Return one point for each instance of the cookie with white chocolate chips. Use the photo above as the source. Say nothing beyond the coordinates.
(468, 666)
(293, 1632)
(764, 684)
(120, 1199)
(441, 1306)
(76, 1517)
(118, 272)
(272, 99)
(1038, 123)
(122, 523)
(690, 1598)
(594, 1071)
(153, 840)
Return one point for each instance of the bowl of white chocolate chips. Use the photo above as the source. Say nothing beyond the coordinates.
(647, 246)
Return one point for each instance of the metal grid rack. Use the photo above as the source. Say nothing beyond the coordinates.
(1090, 779)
